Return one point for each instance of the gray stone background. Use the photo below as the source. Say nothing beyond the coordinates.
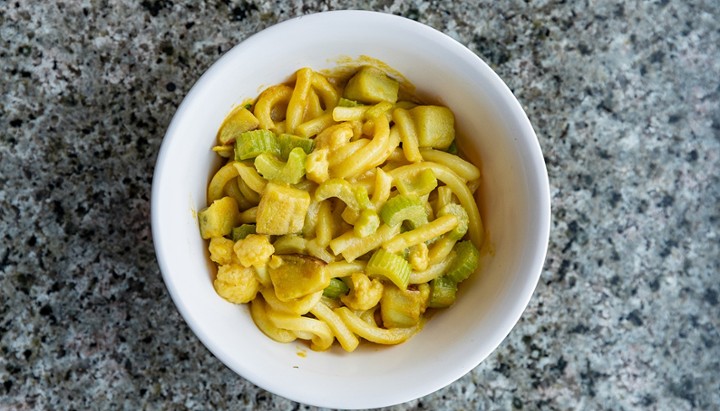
(625, 99)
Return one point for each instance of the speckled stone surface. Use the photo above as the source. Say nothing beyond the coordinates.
(625, 99)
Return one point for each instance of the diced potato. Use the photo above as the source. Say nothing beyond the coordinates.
(219, 218)
(435, 126)
(238, 122)
(281, 210)
(402, 308)
(370, 85)
(298, 276)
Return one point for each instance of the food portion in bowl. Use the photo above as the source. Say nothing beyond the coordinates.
(343, 210)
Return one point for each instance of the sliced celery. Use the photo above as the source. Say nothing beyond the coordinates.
(290, 244)
(420, 184)
(250, 144)
(404, 207)
(343, 102)
(366, 224)
(463, 220)
(391, 266)
(442, 292)
(466, 261)
(239, 233)
(362, 197)
(274, 169)
(336, 288)
(288, 142)
(269, 165)
(340, 188)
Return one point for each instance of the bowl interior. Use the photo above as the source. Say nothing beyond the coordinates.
(514, 200)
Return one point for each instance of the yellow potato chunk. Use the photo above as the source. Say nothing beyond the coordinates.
(402, 308)
(281, 210)
(219, 219)
(236, 283)
(370, 85)
(435, 126)
(298, 276)
(238, 122)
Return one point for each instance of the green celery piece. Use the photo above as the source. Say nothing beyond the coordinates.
(453, 149)
(269, 166)
(340, 188)
(463, 220)
(420, 184)
(290, 244)
(294, 169)
(250, 144)
(466, 261)
(274, 169)
(336, 288)
(404, 207)
(367, 223)
(391, 266)
(239, 233)
(362, 197)
(344, 102)
(442, 292)
(288, 142)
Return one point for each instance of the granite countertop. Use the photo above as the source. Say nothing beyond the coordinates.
(625, 99)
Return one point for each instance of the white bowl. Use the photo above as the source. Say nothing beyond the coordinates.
(515, 205)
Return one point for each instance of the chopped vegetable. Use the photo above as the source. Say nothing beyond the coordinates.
(219, 218)
(370, 85)
(253, 143)
(442, 292)
(282, 210)
(237, 122)
(290, 244)
(298, 276)
(236, 283)
(367, 223)
(465, 263)
(317, 166)
(337, 187)
(404, 208)
(364, 292)
(463, 220)
(253, 250)
(288, 142)
(402, 308)
(336, 288)
(274, 169)
(221, 250)
(419, 185)
(435, 126)
(391, 266)
(239, 233)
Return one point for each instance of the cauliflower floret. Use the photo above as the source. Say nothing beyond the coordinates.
(418, 257)
(364, 292)
(316, 166)
(236, 283)
(221, 250)
(253, 250)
